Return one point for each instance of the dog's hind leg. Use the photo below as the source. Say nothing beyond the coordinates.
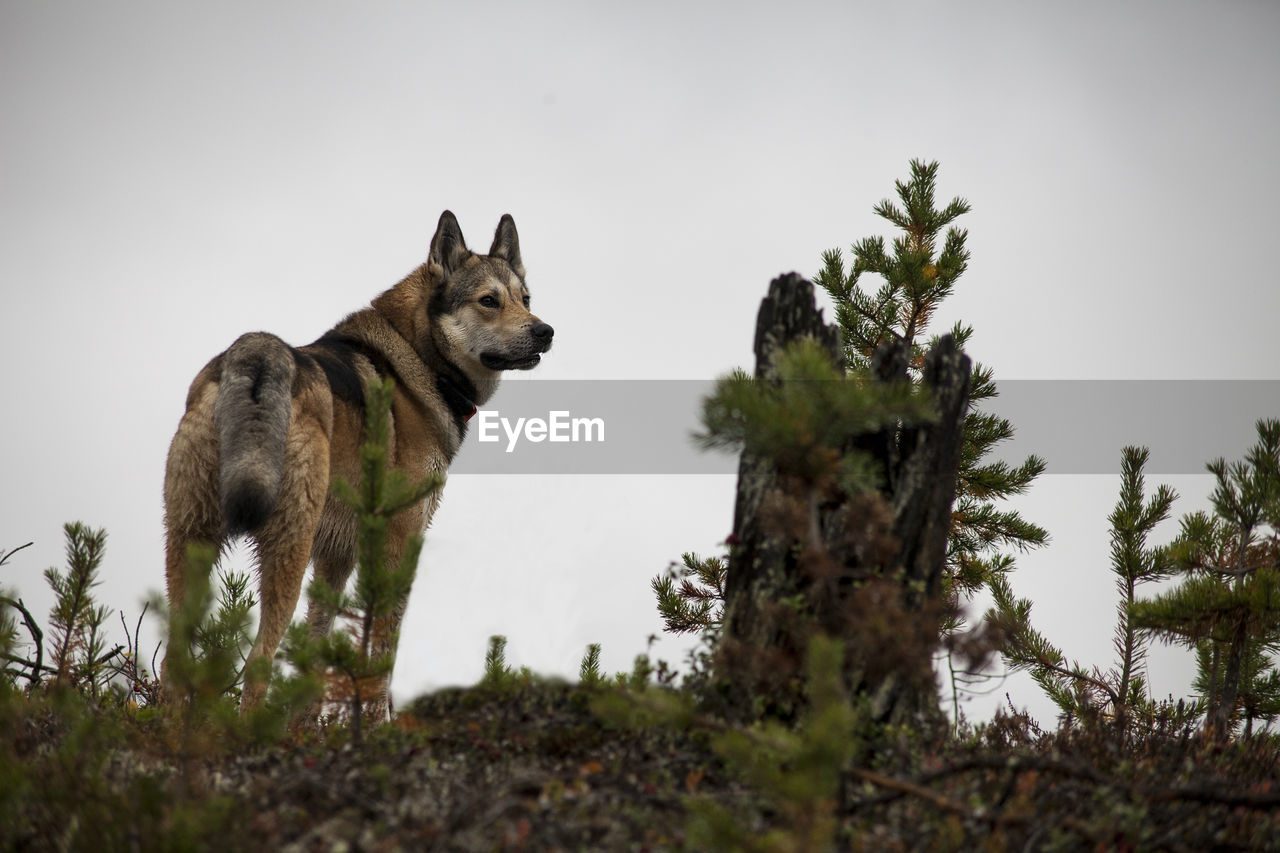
(334, 562)
(283, 543)
(192, 514)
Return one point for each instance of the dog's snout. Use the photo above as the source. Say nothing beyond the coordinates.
(543, 332)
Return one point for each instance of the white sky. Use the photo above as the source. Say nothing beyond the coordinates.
(171, 177)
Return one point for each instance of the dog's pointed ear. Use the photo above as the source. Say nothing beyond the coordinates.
(506, 244)
(448, 249)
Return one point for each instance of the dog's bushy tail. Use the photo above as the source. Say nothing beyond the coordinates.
(252, 415)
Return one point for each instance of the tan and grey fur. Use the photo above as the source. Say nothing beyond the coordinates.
(268, 426)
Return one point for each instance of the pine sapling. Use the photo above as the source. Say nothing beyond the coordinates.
(198, 678)
(79, 645)
(1132, 563)
(589, 670)
(916, 276)
(1083, 692)
(496, 671)
(357, 670)
(1227, 605)
(229, 624)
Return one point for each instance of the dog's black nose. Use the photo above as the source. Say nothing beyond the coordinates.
(543, 332)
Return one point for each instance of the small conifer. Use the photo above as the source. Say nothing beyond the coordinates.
(927, 259)
(1088, 693)
(79, 644)
(357, 671)
(1227, 605)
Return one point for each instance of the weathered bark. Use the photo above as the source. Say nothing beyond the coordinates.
(886, 552)
(926, 487)
(786, 314)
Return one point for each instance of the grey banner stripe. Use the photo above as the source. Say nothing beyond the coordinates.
(1078, 426)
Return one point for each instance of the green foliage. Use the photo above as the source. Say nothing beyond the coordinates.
(77, 631)
(203, 676)
(79, 645)
(496, 670)
(1132, 562)
(1070, 685)
(76, 774)
(82, 786)
(808, 425)
(501, 677)
(982, 529)
(1089, 693)
(589, 671)
(81, 773)
(642, 671)
(355, 667)
(795, 771)
(916, 277)
(1227, 605)
(807, 421)
(212, 634)
(830, 441)
(228, 626)
(1259, 689)
(210, 639)
(206, 666)
(691, 596)
(384, 491)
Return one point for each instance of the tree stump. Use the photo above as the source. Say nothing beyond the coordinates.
(876, 580)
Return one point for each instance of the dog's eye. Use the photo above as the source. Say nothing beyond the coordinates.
(488, 301)
(526, 300)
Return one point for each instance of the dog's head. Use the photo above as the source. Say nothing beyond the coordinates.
(480, 303)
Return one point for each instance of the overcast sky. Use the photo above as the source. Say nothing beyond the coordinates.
(174, 175)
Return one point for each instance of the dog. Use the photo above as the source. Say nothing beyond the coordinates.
(268, 426)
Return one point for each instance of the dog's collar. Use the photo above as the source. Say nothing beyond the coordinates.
(457, 397)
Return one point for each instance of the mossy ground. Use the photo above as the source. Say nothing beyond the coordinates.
(530, 765)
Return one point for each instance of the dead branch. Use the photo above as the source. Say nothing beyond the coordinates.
(37, 636)
(5, 558)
